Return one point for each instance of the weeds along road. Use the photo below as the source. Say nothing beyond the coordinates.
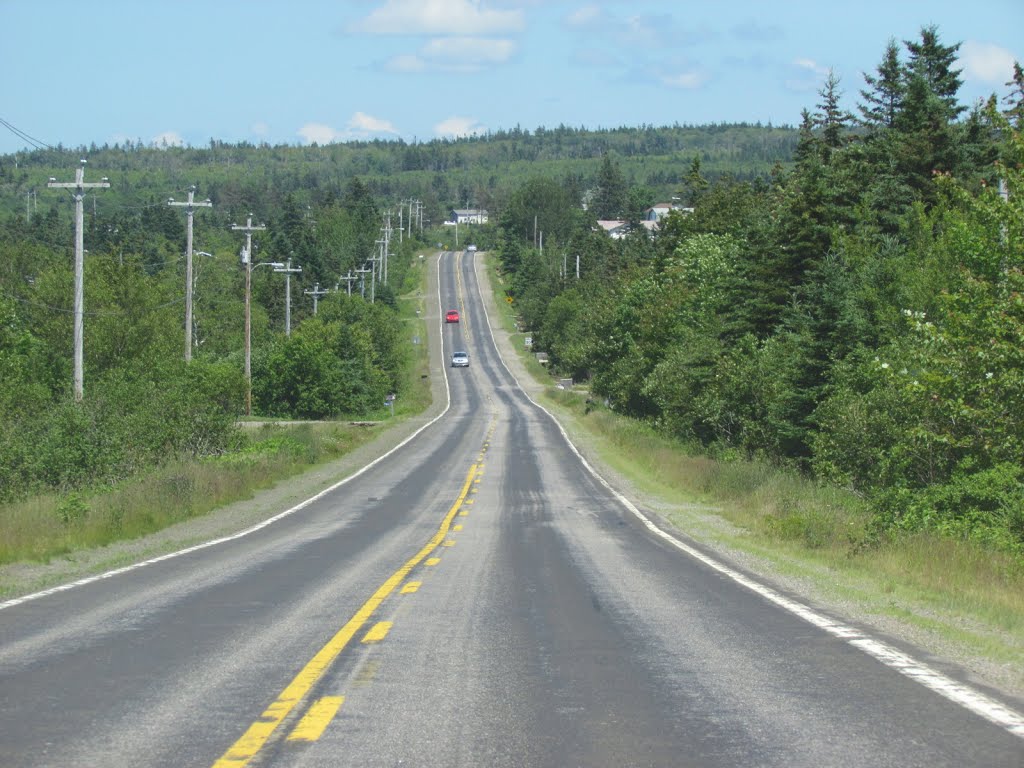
(476, 598)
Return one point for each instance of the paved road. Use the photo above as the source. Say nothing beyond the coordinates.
(477, 598)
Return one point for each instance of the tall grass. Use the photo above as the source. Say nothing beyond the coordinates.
(47, 526)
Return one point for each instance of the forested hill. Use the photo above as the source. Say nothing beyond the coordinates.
(477, 171)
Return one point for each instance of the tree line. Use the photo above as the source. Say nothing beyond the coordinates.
(857, 315)
(143, 404)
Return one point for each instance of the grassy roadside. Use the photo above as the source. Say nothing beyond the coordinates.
(953, 598)
(62, 526)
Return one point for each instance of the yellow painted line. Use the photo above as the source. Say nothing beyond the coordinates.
(457, 527)
(258, 734)
(448, 543)
(468, 501)
(378, 632)
(411, 586)
(433, 561)
(319, 716)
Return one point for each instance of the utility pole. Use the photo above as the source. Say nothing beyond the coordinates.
(316, 293)
(79, 186)
(362, 280)
(248, 228)
(349, 278)
(382, 257)
(190, 207)
(288, 271)
(387, 247)
(401, 227)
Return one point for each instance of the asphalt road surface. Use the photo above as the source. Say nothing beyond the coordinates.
(476, 598)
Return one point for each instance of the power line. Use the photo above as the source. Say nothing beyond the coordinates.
(24, 136)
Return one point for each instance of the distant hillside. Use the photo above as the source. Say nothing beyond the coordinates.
(474, 171)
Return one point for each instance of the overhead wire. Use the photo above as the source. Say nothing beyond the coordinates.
(24, 136)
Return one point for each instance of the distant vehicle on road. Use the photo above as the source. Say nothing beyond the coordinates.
(471, 248)
(460, 360)
(451, 316)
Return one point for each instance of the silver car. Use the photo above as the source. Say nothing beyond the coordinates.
(460, 360)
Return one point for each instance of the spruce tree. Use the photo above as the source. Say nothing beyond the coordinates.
(833, 121)
(1015, 99)
(934, 62)
(883, 98)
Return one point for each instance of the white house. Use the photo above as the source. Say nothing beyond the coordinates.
(616, 228)
(468, 216)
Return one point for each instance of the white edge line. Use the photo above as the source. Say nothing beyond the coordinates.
(971, 699)
(259, 526)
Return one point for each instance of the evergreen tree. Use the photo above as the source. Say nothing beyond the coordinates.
(807, 149)
(833, 121)
(1015, 99)
(694, 185)
(610, 199)
(933, 62)
(884, 97)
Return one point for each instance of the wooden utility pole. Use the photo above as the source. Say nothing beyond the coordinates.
(79, 186)
(248, 228)
(349, 278)
(190, 207)
(316, 293)
(362, 280)
(288, 271)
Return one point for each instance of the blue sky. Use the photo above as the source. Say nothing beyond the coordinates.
(296, 72)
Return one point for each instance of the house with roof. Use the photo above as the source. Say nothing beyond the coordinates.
(614, 228)
(617, 229)
(467, 216)
(658, 211)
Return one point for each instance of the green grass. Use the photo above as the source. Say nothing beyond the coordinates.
(56, 525)
(959, 594)
(53, 525)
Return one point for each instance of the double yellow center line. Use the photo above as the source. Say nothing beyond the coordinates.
(260, 732)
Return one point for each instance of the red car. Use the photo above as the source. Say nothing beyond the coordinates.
(452, 316)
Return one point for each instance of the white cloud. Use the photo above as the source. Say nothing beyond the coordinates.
(809, 77)
(467, 53)
(363, 123)
(986, 62)
(811, 65)
(458, 126)
(318, 133)
(167, 139)
(360, 126)
(439, 17)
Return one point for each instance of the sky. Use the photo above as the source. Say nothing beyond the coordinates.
(323, 71)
